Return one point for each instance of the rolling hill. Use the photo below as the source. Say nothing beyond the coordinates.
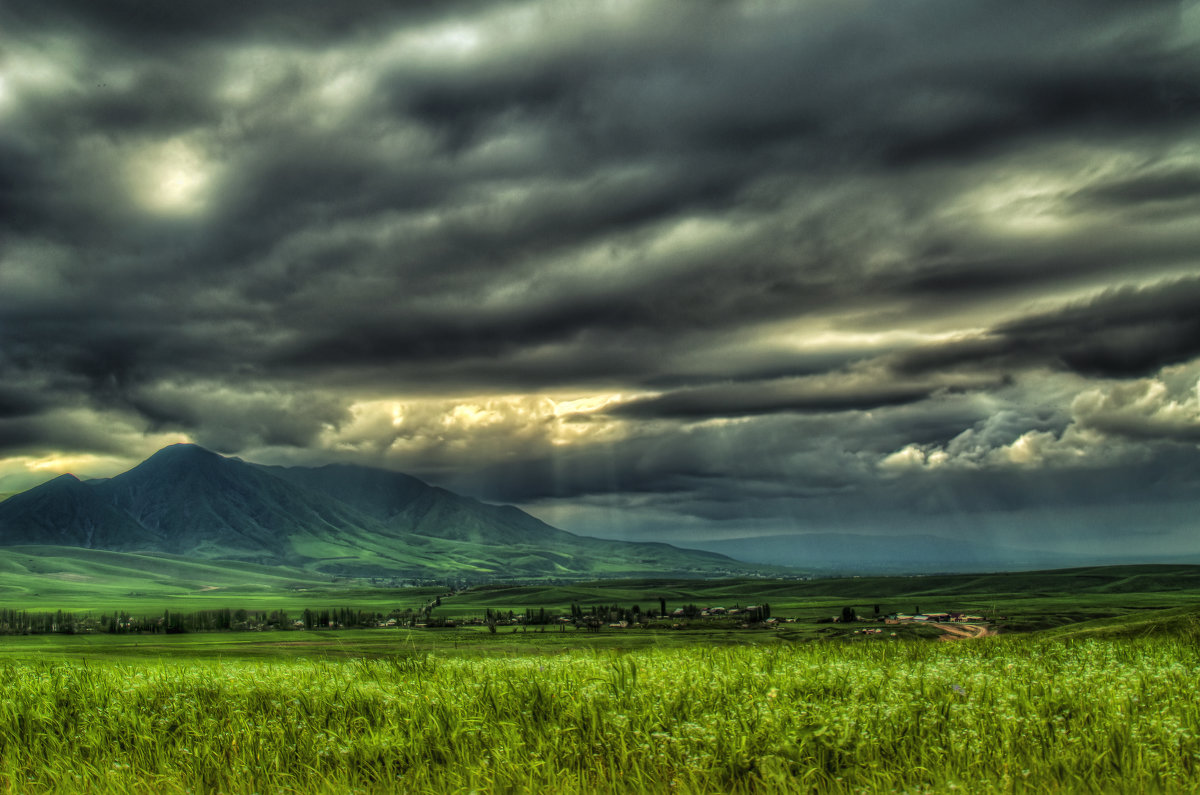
(346, 521)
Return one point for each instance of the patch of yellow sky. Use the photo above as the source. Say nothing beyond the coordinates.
(169, 177)
(27, 471)
(172, 177)
(490, 426)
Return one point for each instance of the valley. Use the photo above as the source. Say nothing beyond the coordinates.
(204, 624)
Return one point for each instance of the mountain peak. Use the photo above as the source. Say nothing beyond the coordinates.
(182, 450)
(63, 484)
(343, 519)
(177, 460)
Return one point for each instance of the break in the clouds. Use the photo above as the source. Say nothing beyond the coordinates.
(671, 270)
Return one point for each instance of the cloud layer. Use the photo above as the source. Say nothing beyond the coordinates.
(651, 269)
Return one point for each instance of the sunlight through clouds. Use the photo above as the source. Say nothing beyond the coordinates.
(172, 178)
(708, 266)
(496, 428)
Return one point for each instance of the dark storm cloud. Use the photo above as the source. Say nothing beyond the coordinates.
(1123, 332)
(734, 400)
(1129, 99)
(17, 402)
(707, 116)
(230, 418)
(1171, 186)
(135, 23)
(824, 233)
(787, 455)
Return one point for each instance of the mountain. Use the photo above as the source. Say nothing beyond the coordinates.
(67, 512)
(406, 504)
(333, 520)
(852, 553)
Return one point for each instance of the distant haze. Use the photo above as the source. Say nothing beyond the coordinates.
(651, 271)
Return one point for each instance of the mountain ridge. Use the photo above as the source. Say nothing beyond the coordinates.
(909, 553)
(340, 520)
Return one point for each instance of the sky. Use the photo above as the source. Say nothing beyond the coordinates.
(649, 270)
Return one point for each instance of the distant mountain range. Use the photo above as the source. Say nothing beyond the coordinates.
(338, 520)
(855, 553)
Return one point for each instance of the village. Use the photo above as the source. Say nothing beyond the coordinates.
(432, 615)
(615, 617)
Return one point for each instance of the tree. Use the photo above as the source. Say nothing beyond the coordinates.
(848, 615)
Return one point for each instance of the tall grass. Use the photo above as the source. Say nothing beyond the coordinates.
(995, 715)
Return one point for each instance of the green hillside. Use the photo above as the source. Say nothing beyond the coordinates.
(37, 576)
(47, 577)
(1177, 621)
(1027, 601)
(327, 522)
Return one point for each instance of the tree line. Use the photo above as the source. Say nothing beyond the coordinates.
(27, 622)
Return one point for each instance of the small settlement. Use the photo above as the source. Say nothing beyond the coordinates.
(904, 618)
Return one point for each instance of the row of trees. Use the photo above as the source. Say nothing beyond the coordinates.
(592, 617)
(24, 622)
(752, 614)
(611, 614)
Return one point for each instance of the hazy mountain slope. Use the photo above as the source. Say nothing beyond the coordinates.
(378, 493)
(67, 512)
(856, 553)
(488, 537)
(196, 502)
(337, 520)
(409, 505)
(72, 575)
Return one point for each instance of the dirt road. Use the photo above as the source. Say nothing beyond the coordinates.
(963, 631)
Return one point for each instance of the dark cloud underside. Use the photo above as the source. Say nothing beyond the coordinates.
(693, 260)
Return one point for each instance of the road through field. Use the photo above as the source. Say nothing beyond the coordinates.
(963, 631)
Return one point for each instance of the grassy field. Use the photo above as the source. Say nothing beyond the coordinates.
(1095, 688)
(1028, 600)
(82, 580)
(994, 715)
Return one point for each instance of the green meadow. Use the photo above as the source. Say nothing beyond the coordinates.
(1093, 685)
(81, 580)
(1016, 714)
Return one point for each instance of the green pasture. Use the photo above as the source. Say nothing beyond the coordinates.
(93, 581)
(356, 643)
(1027, 601)
(1096, 688)
(1017, 714)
